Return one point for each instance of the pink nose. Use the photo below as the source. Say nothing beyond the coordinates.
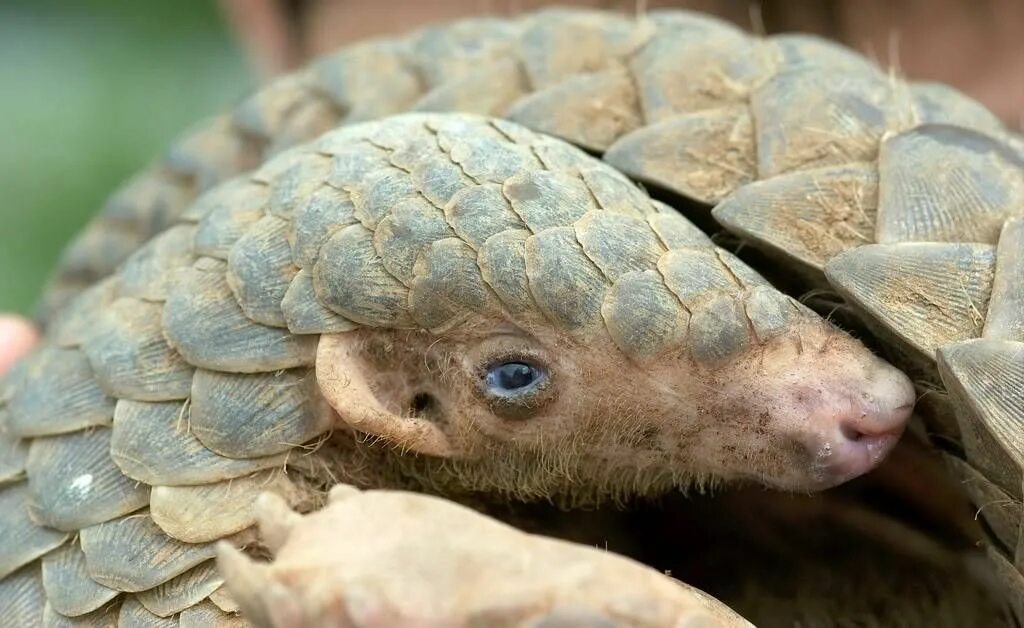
(865, 433)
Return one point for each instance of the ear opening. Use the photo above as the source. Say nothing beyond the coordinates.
(368, 400)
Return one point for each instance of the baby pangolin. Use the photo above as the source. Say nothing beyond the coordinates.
(507, 313)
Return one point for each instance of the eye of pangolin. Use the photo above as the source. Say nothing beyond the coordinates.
(513, 379)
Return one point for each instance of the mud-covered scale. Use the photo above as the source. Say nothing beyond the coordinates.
(903, 194)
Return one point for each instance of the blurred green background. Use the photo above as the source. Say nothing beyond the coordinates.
(90, 92)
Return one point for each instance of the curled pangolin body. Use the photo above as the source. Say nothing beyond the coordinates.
(807, 149)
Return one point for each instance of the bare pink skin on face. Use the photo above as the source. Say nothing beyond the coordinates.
(805, 415)
(857, 422)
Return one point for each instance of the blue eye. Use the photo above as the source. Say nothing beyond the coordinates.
(512, 379)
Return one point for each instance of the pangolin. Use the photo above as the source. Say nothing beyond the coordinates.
(806, 149)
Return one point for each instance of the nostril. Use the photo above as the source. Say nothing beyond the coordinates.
(850, 432)
(872, 423)
(870, 427)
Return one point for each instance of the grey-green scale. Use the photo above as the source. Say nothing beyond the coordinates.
(907, 196)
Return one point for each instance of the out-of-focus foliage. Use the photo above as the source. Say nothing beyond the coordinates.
(90, 91)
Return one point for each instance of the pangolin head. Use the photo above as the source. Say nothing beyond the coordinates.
(524, 315)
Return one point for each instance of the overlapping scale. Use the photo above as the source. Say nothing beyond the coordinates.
(151, 443)
(260, 414)
(13, 452)
(133, 554)
(204, 323)
(130, 356)
(589, 110)
(23, 539)
(182, 592)
(22, 597)
(928, 294)
(70, 591)
(184, 512)
(57, 393)
(73, 482)
(133, 613)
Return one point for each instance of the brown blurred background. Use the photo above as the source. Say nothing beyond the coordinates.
(93, 89)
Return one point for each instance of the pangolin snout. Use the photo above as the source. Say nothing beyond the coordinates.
(858, 434)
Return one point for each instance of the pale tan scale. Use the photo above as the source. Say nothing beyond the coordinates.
(101, 618)
(791, 109)
(703, 155)
(694, 63)
(184, 513)
(589, 110)
(810, 216)
(206, 614)
(368, 80)
(448, 52)
(936, 295)
(488, 89)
